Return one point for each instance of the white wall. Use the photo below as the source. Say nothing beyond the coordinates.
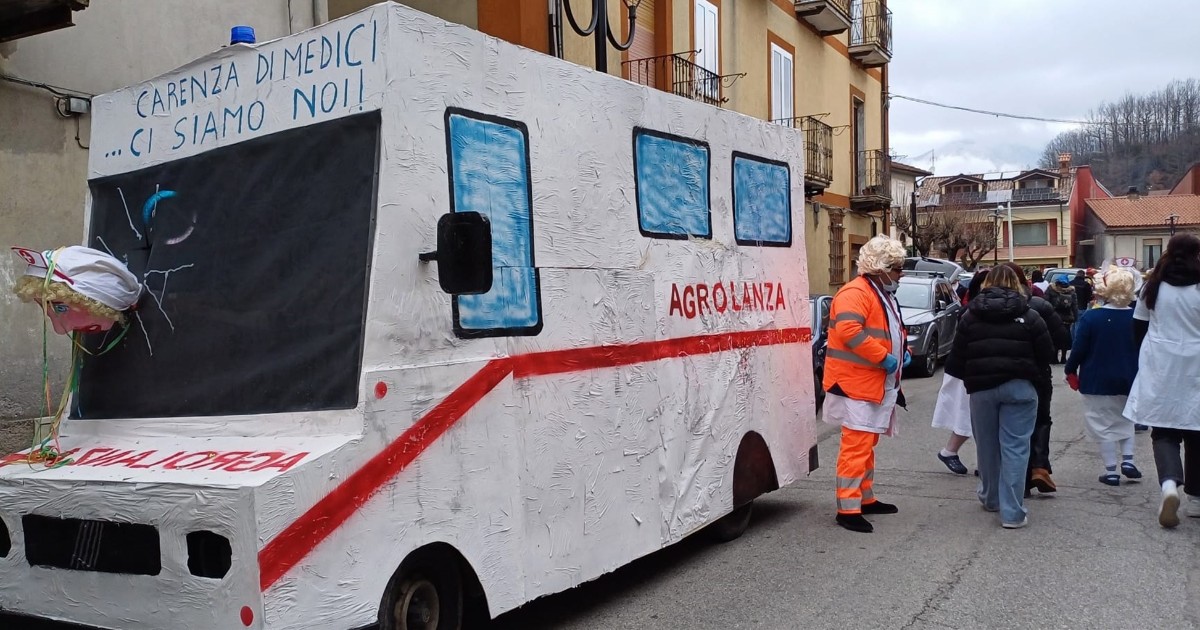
(43, 168)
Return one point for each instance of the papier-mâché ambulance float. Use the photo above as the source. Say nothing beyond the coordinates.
(428, 323)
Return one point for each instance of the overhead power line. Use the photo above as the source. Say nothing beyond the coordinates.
(991, 113)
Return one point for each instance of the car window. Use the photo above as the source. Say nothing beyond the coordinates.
(944, 293)
(912, 295)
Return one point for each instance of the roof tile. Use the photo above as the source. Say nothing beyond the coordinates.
(1146, 211)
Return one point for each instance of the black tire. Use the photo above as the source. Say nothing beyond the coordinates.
(732, 525)
(425, 593)
(926, 364)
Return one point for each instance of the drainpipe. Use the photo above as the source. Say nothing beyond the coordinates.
(1061, 238)
(320, 11)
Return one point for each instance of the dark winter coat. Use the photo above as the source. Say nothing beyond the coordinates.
(1060, 333)
(1064, 301)
(1083, 292)
(999, 339)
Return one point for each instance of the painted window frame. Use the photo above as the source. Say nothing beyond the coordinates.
(637, 185)
(787, 196)
(535, 328)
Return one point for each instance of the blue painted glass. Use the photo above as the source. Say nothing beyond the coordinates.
(672, 186)
(489, 162)
(762, 201)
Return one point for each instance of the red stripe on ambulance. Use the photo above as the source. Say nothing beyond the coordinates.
(296, 541)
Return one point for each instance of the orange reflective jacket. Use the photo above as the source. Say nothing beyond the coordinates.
(859, 340)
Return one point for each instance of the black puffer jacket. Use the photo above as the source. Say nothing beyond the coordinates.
(1060, 333)
(999, 339)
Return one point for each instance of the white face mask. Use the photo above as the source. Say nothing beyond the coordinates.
(889, 285)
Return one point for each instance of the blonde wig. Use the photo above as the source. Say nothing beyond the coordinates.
(1115, 286)
(880, 254)
(34, 289)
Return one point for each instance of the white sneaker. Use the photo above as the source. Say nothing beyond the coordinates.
(1019, 525)
(1192, 508)
(1168, 508)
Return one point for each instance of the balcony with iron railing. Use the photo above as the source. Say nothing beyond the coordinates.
(678, 74)
(818, 151)
(872, 181)
(1049, 249)
(829, 17)
(871, 33)
(1021, 195)
(963, 198)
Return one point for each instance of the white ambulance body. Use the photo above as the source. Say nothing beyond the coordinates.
(302, 429)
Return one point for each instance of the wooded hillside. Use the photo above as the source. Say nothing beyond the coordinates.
(1146, 141)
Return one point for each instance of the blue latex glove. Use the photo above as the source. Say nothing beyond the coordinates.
(890, 364)
(907, 358)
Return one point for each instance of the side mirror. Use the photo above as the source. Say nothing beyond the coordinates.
(942, 305)
(464, 253)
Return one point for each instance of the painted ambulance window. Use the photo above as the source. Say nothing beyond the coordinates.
(254, 259)
(489, 174)
(762, 201)
(672, 185)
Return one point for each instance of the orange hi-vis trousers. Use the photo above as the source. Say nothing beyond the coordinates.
(856, 470)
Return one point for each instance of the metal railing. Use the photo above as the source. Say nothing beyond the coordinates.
(841, 5)
(818, 149)
(818, 146)
(963, 198)
(873, 26)
(872, 176)
(1036, 194)
(678, 74)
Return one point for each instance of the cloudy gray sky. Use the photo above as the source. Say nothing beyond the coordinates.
(1046, 58)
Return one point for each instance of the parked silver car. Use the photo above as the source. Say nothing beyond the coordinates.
(930, 309)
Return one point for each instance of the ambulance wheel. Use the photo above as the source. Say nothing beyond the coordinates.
(424, 594)
(732, 525)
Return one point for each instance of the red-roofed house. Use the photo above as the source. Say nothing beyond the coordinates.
(1139, 226)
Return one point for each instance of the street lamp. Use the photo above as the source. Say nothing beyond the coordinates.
(602, 30)
(996, 234)
(1000, 209)
(1172, 219)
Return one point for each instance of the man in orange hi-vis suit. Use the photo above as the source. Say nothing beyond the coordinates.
(862, 375)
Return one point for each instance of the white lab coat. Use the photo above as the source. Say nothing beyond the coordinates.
(1166, 392)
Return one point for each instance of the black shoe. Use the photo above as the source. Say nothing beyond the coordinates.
(1110, 479)
(1131, 471)
(855, 523)
(953, 463)
(879, 507)
(1140, 428)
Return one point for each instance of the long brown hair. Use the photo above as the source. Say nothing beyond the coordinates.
(1181, 259)
(1020, 276)
(1003, 276)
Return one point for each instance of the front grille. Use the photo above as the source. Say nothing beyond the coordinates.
(90, 545)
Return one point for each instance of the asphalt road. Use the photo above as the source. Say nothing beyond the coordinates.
(1092, 557)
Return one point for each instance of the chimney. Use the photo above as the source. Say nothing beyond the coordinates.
(1064, 164)
(1133, 193)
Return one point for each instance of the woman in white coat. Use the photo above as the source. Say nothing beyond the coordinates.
(1166, 392)
(952, 411)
